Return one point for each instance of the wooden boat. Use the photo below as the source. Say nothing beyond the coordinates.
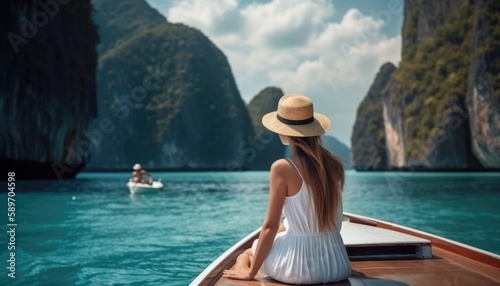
(384, 253)
(140, 188)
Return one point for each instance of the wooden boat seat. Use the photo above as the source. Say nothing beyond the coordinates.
(367, 242)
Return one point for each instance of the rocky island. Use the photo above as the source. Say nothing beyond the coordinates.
(48, 89)
(440, 109)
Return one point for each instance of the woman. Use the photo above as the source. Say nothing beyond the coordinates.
(307, 248)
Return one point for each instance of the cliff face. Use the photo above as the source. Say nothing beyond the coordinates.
(424, 106)
(423, 17)
(483, 96)
(47, 87)
(267, 147)
(368, 140)
(166, 93)
(110, 17)
(441, 105)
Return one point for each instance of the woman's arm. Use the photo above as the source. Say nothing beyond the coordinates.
(271, 225)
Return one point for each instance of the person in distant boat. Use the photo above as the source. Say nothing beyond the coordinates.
(307, 247)
(141, 176)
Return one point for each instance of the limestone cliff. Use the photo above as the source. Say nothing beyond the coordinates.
(368, 140)
(166, 95)
(441, 106)
(424, 105)
(483, 95)
(47, 87)
(267, 146)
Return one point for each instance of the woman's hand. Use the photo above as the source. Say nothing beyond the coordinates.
(237, 274)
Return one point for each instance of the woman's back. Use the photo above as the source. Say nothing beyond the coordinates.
(299, 209)
(302, 254)
(311, 249)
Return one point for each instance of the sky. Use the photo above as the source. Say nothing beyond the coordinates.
(328, 50)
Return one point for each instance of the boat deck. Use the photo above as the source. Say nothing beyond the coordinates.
(385, 254)
(436, 271)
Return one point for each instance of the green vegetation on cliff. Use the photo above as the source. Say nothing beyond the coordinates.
(119, 20)
(368, 136)
(431, 80)
(168, 90)
(488, 48)
(441, 102)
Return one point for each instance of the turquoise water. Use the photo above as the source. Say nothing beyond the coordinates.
(91, 231)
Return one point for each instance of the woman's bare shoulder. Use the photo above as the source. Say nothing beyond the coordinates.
(282, 166)
(280, 163)
(283, 170)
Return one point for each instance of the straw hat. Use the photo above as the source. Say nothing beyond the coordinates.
(137, 167)
(296, 117)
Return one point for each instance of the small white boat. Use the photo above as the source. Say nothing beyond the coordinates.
(141, 188)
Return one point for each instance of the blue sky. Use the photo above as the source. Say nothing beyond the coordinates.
(329, 50)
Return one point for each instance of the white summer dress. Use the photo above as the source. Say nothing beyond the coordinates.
(302, 254)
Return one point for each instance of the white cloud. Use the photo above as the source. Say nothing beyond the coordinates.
(296, 45)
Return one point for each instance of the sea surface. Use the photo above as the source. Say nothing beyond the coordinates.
(91, 231)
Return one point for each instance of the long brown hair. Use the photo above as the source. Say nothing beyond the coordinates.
(324, 174)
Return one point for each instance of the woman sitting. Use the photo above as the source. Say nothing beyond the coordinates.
(307, 188)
